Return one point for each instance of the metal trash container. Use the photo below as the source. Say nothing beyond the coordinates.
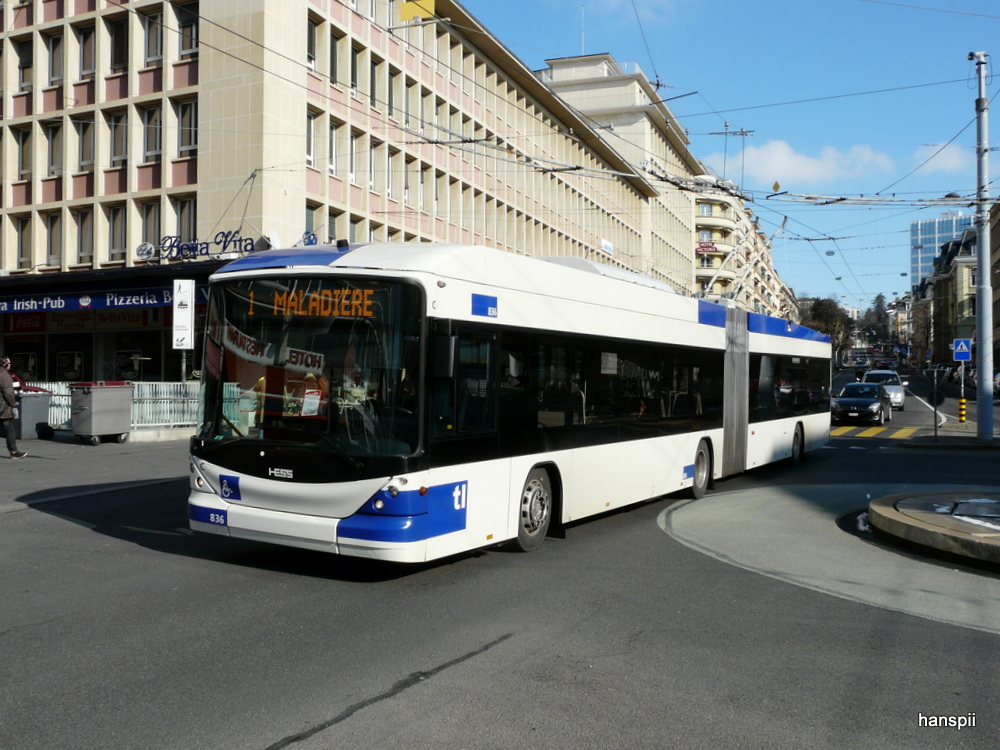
(101, 408)
(33, 415)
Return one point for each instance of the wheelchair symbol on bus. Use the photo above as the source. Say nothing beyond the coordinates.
(230, 487)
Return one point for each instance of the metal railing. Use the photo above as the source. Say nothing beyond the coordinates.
(154, 405)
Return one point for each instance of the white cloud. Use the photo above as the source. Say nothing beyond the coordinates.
(778, 161)
(952, 159)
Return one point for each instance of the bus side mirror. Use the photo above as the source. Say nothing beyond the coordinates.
(444, 356)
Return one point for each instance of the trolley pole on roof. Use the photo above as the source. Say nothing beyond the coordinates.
(984, 290)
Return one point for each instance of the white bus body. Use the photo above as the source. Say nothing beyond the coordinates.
(469, 397)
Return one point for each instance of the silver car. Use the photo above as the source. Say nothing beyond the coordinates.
(889, 379)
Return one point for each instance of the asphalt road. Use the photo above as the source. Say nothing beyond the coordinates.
(120, 629)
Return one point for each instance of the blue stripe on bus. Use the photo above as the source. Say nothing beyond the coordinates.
(710, 314)
(320, 255)
(410, 516)
(757, 323)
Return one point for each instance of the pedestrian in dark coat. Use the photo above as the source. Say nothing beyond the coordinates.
(8, 402)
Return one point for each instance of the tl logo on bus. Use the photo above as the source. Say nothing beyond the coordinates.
(460, 496)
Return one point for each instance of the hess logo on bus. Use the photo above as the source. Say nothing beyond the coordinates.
(280, 473)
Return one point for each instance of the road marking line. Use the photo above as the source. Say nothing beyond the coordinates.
(904, 432)
(838, 431)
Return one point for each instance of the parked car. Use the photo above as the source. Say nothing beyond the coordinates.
(895, 386)
(866, 403)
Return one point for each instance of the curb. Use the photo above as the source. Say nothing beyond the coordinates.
(931, 528)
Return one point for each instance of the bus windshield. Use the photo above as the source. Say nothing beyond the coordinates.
(329, 362)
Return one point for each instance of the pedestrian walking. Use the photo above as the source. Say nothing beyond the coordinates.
(8, 404)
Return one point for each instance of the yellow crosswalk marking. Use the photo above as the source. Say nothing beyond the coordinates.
(901, 434)
(871, 432)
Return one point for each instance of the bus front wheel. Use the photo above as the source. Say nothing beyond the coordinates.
(701, 471)
(535, 512)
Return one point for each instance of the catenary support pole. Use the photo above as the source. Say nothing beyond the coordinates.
(984, 290)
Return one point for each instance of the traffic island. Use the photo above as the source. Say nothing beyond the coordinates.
(966, 524)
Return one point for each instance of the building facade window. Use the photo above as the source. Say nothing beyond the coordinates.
(84, 220)
(118, 33)
(54, 44)
(53, 238)
(311, 118)
(150, 213)
(85, 41)
(187, 219)
(152, 27)
(187, 123)
(85, 145)
(118, 135)
(54, 147)
(23, 139)
(22, 227)
(187, 26)
(312, 35)
(152, 134)
(25, 59)
(332, 148)
(117, 233)
(353, 157)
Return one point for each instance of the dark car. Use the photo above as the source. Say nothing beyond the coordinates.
(866, 403)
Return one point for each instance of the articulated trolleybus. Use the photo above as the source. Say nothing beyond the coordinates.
(411, 401)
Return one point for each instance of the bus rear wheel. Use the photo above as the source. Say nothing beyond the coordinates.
(798, 445)
(535, 513)
(702, 470)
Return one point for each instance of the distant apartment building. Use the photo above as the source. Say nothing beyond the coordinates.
(701, 237)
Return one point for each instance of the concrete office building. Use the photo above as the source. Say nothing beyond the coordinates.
(145, 141)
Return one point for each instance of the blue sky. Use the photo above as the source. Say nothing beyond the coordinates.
(841, 98)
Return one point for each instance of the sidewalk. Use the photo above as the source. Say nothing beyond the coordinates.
(956, 435)
(61, 468)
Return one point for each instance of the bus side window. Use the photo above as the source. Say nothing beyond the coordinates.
(466, 403)
(476, 381)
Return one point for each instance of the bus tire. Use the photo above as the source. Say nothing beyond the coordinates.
(535, 512)
(702, 470)
(798, 445)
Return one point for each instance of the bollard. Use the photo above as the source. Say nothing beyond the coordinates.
(961, 410)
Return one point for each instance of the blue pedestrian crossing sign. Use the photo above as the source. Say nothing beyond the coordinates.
(963, 350)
